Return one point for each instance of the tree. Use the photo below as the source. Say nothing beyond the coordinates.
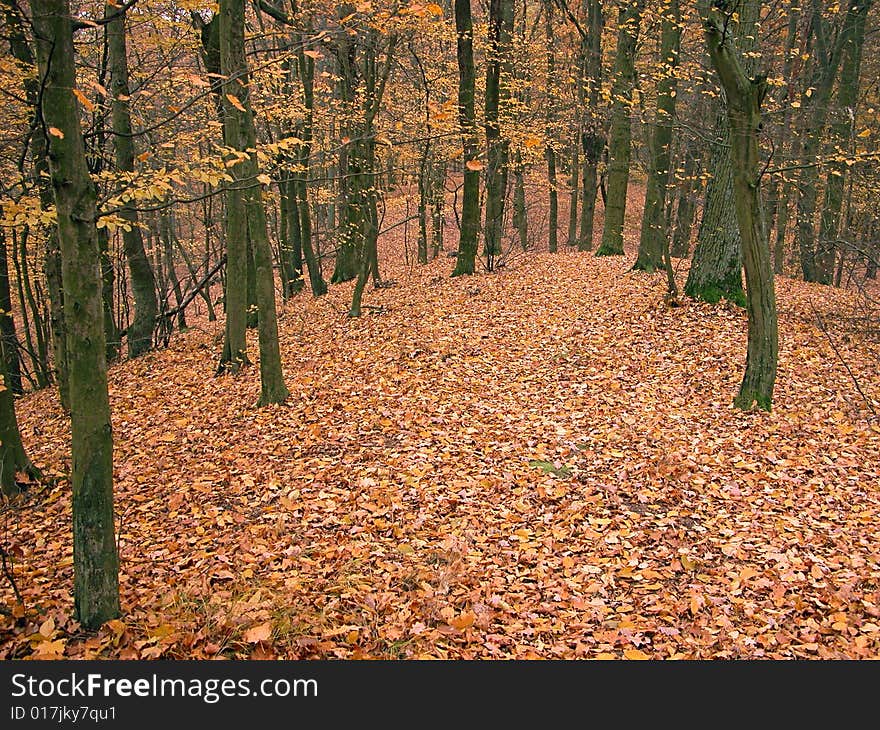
(744, 96)
(95, 560)
(716, 266)
(498, 75)
(13, 459)
(143, 283)
(620, 137)
(246, 205)
(470, 206)
(654, 234)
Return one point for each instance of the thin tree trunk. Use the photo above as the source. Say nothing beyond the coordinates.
(655, 234)
(242, 137)
(143, 282)
(620, 137)
(744, 97)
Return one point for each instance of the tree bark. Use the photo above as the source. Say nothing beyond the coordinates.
(744, 97)
(143, 283)
(470, 207)
(96, 563)
(620, 137)
(242, 137)
(654, 234)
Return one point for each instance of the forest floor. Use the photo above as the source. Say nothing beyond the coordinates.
(538, 462)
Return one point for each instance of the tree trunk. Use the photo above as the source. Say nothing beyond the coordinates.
(242, 136)
(744, 97)
(655, 234)
(96, 563)
(619, 146)
(498, 72)
(841, 138)
(8, 335)
(550, 151)
(470, 207)
(13, 459)
(592, 138)
(143, 283)
(689, 187)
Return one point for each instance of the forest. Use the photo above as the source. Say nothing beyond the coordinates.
(476, 329)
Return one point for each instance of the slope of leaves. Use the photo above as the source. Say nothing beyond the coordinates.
(539, 462)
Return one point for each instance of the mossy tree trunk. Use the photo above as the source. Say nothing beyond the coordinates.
(654, 236)
(470, 206)
(95, 559)
(744, 97)
(716, 266)
(620, 136)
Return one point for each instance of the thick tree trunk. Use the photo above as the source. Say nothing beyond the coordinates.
(470, 207)
(96, 563)
(620, 137)
(716, 266)
(655, 235)
(143, 283)
(744, 97)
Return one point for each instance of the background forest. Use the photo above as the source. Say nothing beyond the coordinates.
(525, 328)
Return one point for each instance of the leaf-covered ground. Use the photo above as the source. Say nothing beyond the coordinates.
(539, 462)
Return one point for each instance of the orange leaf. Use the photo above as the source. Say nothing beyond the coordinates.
(84, 100)
(464, 621)
(55, 132)
(258, 633)
(233, 99)
(473, 165)
(635, 654)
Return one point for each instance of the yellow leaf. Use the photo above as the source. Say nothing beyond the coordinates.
(405, 548)
(635, 654)
(258, 633)
(233, 99)
(47, 627)
(264, 178)
(55, 132)
(865, 133)
(606, 655)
